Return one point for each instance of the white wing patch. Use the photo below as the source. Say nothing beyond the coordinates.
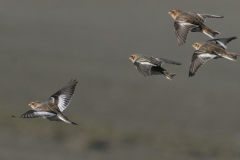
(187, 24)
(146, 63)
(207, 55)
(45, 114)
(63, 102)
(222, 44)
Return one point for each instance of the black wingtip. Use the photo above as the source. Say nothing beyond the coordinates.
(74, 123)
(73, 80)
(191, 74)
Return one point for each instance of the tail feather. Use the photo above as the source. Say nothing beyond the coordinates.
(231, 56)
(169, 75)
(63, 118)
(209, 32)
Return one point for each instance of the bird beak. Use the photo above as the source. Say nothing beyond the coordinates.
(29, 104)
(169, 12)
(130, 58)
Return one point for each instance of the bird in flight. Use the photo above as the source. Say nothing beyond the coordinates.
(191, 21)
(211, 49)
(149, 65)
(52, 109)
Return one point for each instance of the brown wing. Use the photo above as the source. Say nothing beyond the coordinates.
(198, 59)
(182, 30)
(144, 68)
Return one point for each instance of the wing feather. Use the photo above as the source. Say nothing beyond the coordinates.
(63, 97)
(182, 30)
(198, 59)
(37, 113)
(143, 68)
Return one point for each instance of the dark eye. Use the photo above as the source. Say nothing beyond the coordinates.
(32, 103)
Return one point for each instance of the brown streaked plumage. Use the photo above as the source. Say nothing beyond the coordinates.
(190, 21)
(149, 65)
(210, 50)
(56, 104)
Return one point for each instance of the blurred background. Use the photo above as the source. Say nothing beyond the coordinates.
(121, 114)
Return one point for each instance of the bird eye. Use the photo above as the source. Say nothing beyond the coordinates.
(32, 103)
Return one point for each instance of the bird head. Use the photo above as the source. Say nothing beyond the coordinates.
(174, 13)
(34, 105)
(133, 57)
(197, 45)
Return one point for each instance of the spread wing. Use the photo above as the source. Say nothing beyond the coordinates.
(198, 59)
(34, 113)
(144, 67)
(222, 41)
(182, 29)
(63, 97)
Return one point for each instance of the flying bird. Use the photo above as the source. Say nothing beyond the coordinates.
(52, 109)
(149, 65)
(211, 49)
(191, 21)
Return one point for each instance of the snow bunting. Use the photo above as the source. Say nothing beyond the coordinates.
(56, 104)
(148, 65)
(209, 50)
(191, 21)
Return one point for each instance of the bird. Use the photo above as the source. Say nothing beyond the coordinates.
(212, 49)
(191, 21)
(52, 109)
(149, 65)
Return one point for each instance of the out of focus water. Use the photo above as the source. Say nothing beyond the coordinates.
(121, 114)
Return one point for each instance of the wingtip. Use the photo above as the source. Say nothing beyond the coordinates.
(74, 123)
(181, 43)
(73, 80)
(191, 74)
